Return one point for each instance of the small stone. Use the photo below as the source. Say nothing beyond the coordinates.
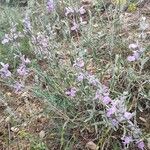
(42, 134)
(8, 94)
(92, 146)
(24, 124)
(14, 129)
(7, 119)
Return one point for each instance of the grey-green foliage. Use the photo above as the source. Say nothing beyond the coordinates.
(14, 2)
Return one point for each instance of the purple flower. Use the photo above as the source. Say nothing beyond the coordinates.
(131, 58)
(79, 63)
(133, 46)
(140, 145)
(4, 41)
(92, 80)
(80, 77)
(71, 92)
(27, 24)
(68, 11)
(75, 26)
(97, 94)
(82, 10)
(82, 22)
(128, 115)
(44, 42)
(127, 140)
(136, 55)
(50, 5)
(114, 122)
(111, 111)
(41, 40)
(106, 100)
(18, 87)
(105, 90)
(22, 70)
(13, 35)
(4, 72)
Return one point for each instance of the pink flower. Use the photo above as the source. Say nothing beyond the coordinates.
(140, 145)
(71, 92)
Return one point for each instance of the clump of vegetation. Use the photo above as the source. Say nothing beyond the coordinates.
(75, 75)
